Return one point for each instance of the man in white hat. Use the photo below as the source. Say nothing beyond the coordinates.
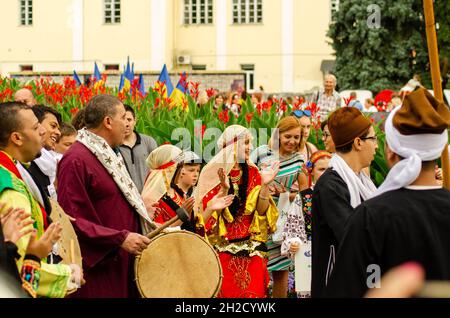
(408, 218)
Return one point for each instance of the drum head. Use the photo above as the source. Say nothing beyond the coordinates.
(69, 240)
(178, 265)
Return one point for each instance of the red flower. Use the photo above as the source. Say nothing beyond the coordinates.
(224, 116)
(283, 106)
(259, 108)
(298, 103)
(348, 100)
(200, 132)
(185, 104)
(194, 90)
(249, 117)
(157, 101)
(74, 110)
(122, 96)
(183, 81)
(211, 92)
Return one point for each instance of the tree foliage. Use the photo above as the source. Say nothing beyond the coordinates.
(384, 57)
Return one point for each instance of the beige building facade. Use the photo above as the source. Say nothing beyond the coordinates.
(280, 45)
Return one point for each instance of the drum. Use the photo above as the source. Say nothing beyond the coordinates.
(178, 264)
(68, 247)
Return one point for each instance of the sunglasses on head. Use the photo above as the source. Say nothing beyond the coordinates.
(300, 113)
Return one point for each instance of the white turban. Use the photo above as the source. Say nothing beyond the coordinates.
(414, 149)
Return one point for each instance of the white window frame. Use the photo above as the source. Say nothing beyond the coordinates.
(249, 70)
(26, 7)
(251, 6)
(115, 18)
(201, 6)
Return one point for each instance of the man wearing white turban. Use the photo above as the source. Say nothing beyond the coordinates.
(407, 220)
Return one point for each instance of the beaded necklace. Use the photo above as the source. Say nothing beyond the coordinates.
(235, 180)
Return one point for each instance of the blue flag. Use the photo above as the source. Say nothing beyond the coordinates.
(141, 84)
(122, 82)
(76, 78)
(97, 74)
(165, 78)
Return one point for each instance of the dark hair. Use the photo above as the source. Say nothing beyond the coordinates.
(40, 111)
(348, 147)
(9, 121)
(98, 108)
(130, 109)
(173, 184)
(241, 199)
(67, 130)
(78, 119)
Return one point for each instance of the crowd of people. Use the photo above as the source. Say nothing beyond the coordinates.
(256, 207)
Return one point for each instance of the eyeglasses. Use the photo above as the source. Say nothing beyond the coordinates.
(374, 138)
(325, 135)
(300, 113)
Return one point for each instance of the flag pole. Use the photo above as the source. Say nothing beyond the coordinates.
(436, 76)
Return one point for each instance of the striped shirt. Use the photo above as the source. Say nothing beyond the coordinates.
(290, 168)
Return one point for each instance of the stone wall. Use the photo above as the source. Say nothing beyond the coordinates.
(222, 81)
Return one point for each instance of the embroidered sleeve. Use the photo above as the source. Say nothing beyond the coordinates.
(30, 275)
(262, 225)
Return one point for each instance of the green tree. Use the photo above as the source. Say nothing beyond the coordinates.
(376, 58)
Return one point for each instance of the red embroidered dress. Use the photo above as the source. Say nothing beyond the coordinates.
(240, 240)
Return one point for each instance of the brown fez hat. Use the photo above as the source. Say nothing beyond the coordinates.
(347, 123)
(421, 113)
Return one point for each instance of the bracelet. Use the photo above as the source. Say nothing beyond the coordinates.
(264, 198)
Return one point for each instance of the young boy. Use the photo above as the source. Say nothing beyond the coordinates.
(67, 138)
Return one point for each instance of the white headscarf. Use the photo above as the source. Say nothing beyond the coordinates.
(415, 149)
(163, 162)
(229, 142)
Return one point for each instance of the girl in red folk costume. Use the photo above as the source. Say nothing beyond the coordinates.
(240, 231)
(161, 192)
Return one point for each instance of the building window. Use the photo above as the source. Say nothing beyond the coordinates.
(198, 11)
(26, 68)
(334, 7)
(112, 11)
(111, 67)
(26, 12)
(249, 70)
(247, 11)
(199, 67)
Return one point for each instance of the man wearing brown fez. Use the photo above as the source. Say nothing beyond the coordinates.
(408, 220)
(340, 189)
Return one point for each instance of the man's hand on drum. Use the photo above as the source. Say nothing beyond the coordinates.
(135, 243)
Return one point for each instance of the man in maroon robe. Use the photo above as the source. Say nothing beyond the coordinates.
(106, 223)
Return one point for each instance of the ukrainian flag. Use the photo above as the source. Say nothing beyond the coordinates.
(98, 81)
(165, 82)
(178, 95)
(127, 78)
